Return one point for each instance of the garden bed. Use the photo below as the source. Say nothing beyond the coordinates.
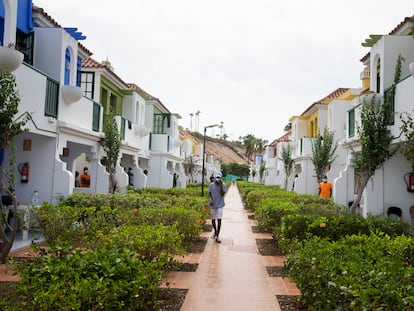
(268, 247)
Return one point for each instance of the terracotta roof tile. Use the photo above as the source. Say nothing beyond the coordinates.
(140, 91)
(92, 63)
(41, 11)
(335, 94)
(392, 32)
(401, 25)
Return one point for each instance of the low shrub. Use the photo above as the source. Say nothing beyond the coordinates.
(333, 227)
(152, 243)
(187, 221)
(357, 272)
(75, 225)
(101, 279)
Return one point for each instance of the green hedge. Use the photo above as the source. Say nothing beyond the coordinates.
(101, 279)
(357, 272)
(271, 210)
(300, 227)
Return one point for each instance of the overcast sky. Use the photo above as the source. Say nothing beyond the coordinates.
(249, 64)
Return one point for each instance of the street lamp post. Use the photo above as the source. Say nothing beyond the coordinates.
(204, 157)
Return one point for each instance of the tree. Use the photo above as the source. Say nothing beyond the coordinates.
(286, 158)
(254, 172)
(323, 151)
(262, 170)
(111, 143)
(375, 139)
(236, 169)
(10, 127)
(253, 146)
(190, 167)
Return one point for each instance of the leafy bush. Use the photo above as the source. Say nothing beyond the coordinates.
(357, 272)
(152, 243)
(102, 279)
(74, 225)
(187, 221)
(301, 227)
(269, 214)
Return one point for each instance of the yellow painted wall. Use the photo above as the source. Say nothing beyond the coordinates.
(313, 124)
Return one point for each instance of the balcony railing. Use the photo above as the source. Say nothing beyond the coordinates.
(96, 118)
(52, 98)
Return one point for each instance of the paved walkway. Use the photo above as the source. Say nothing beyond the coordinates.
(232, 275)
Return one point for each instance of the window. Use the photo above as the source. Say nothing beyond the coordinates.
(389, 106)
(78, 71)
(67, 67)
(24, 44)
(351, 123)
(378, 76)
(87, 82)
(112, 103)
(158, 124)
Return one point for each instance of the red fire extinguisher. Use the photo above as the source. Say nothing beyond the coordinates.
(409, 181)
(24, 172)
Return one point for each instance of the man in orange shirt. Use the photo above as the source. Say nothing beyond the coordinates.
(85, 179)
(325, 188)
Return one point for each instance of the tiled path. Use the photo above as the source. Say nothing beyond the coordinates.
(232, 275)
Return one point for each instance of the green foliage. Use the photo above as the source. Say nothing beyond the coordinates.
(79, 218)
(151, 242)
(406, 147)
(299, 227)
(128, 245)
(187, 221)
(190, 167)
(286, 158)
(323, 151)
(75, 226)
(253, 146)
(270, 204)
(254, 198)
(261, 171)
(10, 127)
(375, 138)
(101, 279)
(9, 107)
(357, 272)
(111, 143)
(236, 169)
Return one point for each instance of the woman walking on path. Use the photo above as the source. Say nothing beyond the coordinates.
(217, 189)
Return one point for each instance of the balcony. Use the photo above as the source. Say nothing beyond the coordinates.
(161, 143)
(39, 95)
(303, 147)
(132, 135)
